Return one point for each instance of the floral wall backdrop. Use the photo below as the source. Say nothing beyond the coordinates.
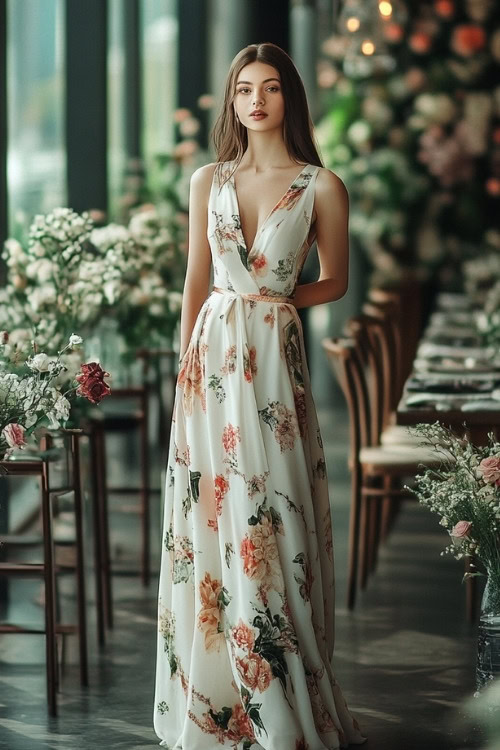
(419, 147)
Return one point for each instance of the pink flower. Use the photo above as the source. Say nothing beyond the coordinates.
(490, 469)
(461, 529)
(13, 435)
(230, 438)
(243, 635)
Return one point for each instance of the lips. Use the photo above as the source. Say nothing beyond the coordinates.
(258, 115)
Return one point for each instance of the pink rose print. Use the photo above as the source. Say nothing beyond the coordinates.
(221, 488)
(249, 364)
(230, 438)
(255, 672)
(209, 615)
(259, 264)
(243, 635)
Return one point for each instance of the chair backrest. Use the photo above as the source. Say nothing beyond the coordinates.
(346, 360)
(367, 332)
(408, 296)
(389, 338)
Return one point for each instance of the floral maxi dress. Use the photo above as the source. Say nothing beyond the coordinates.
(246, 591)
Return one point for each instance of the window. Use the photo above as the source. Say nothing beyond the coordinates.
(36, 161)
(159, 50)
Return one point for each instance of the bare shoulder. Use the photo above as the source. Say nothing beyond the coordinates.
(329, 191)
(328, 184)
(203, 175)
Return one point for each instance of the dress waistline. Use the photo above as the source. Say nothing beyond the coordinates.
(257, 297)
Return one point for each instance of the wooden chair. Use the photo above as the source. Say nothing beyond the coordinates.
(376, 470)
(48, 569)
(138, 419)
(406, 297)
(374, 344)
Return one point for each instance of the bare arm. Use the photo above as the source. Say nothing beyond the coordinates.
(199, 259)
(332, 236)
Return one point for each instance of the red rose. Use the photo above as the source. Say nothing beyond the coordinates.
(92, 384)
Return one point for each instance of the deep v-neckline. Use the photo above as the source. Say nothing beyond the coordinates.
(259, 229)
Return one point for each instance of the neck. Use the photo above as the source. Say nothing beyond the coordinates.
(265, 151)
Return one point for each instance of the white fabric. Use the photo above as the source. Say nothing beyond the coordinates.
(246, 594)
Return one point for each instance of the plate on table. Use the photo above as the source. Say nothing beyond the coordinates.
(458, 385)
(448, 365)
(417, 399)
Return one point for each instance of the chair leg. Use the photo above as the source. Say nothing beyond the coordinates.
(104, 524)
(377, 519)
(80, 561)
(354, 519)
(365, 540)
(50, 598)
(145, 510)
(387, 510)
(374, 520)
(96, 516)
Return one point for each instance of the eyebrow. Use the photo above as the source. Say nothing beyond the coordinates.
(265, 81)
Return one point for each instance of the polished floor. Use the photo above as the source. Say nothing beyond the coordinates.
(405, 657)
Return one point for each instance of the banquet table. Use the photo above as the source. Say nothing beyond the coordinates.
(455, 378)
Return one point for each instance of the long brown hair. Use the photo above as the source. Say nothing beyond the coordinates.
(230, 137)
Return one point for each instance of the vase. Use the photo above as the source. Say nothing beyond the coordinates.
(488, 641)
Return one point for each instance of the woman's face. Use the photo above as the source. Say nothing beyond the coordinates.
(258, 87)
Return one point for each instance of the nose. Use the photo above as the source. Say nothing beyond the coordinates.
(257, 99)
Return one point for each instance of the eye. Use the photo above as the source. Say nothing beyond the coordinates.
(245, 89)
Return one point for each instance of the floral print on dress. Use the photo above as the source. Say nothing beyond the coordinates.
(247, 587)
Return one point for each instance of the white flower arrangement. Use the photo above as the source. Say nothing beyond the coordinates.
(73, 274)
(465, 492)
(32, 396)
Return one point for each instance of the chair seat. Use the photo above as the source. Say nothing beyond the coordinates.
(398, 435)
(397, 459)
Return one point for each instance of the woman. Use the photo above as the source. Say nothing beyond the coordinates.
(246, 593)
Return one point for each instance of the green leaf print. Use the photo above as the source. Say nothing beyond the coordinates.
(245, 695)
(223, 599)
(306, 582)
(167, 629)
(194, 481)
(215, 383)
(292, 352)
(268, 417)
(270, 645)
(221, 718)
(169, 539)
(162, 708)
(243, 256)
(254, 714)
(229, 552)
(276, 520)
(285, 267)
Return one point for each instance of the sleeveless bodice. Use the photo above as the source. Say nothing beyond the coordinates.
(273, 264)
